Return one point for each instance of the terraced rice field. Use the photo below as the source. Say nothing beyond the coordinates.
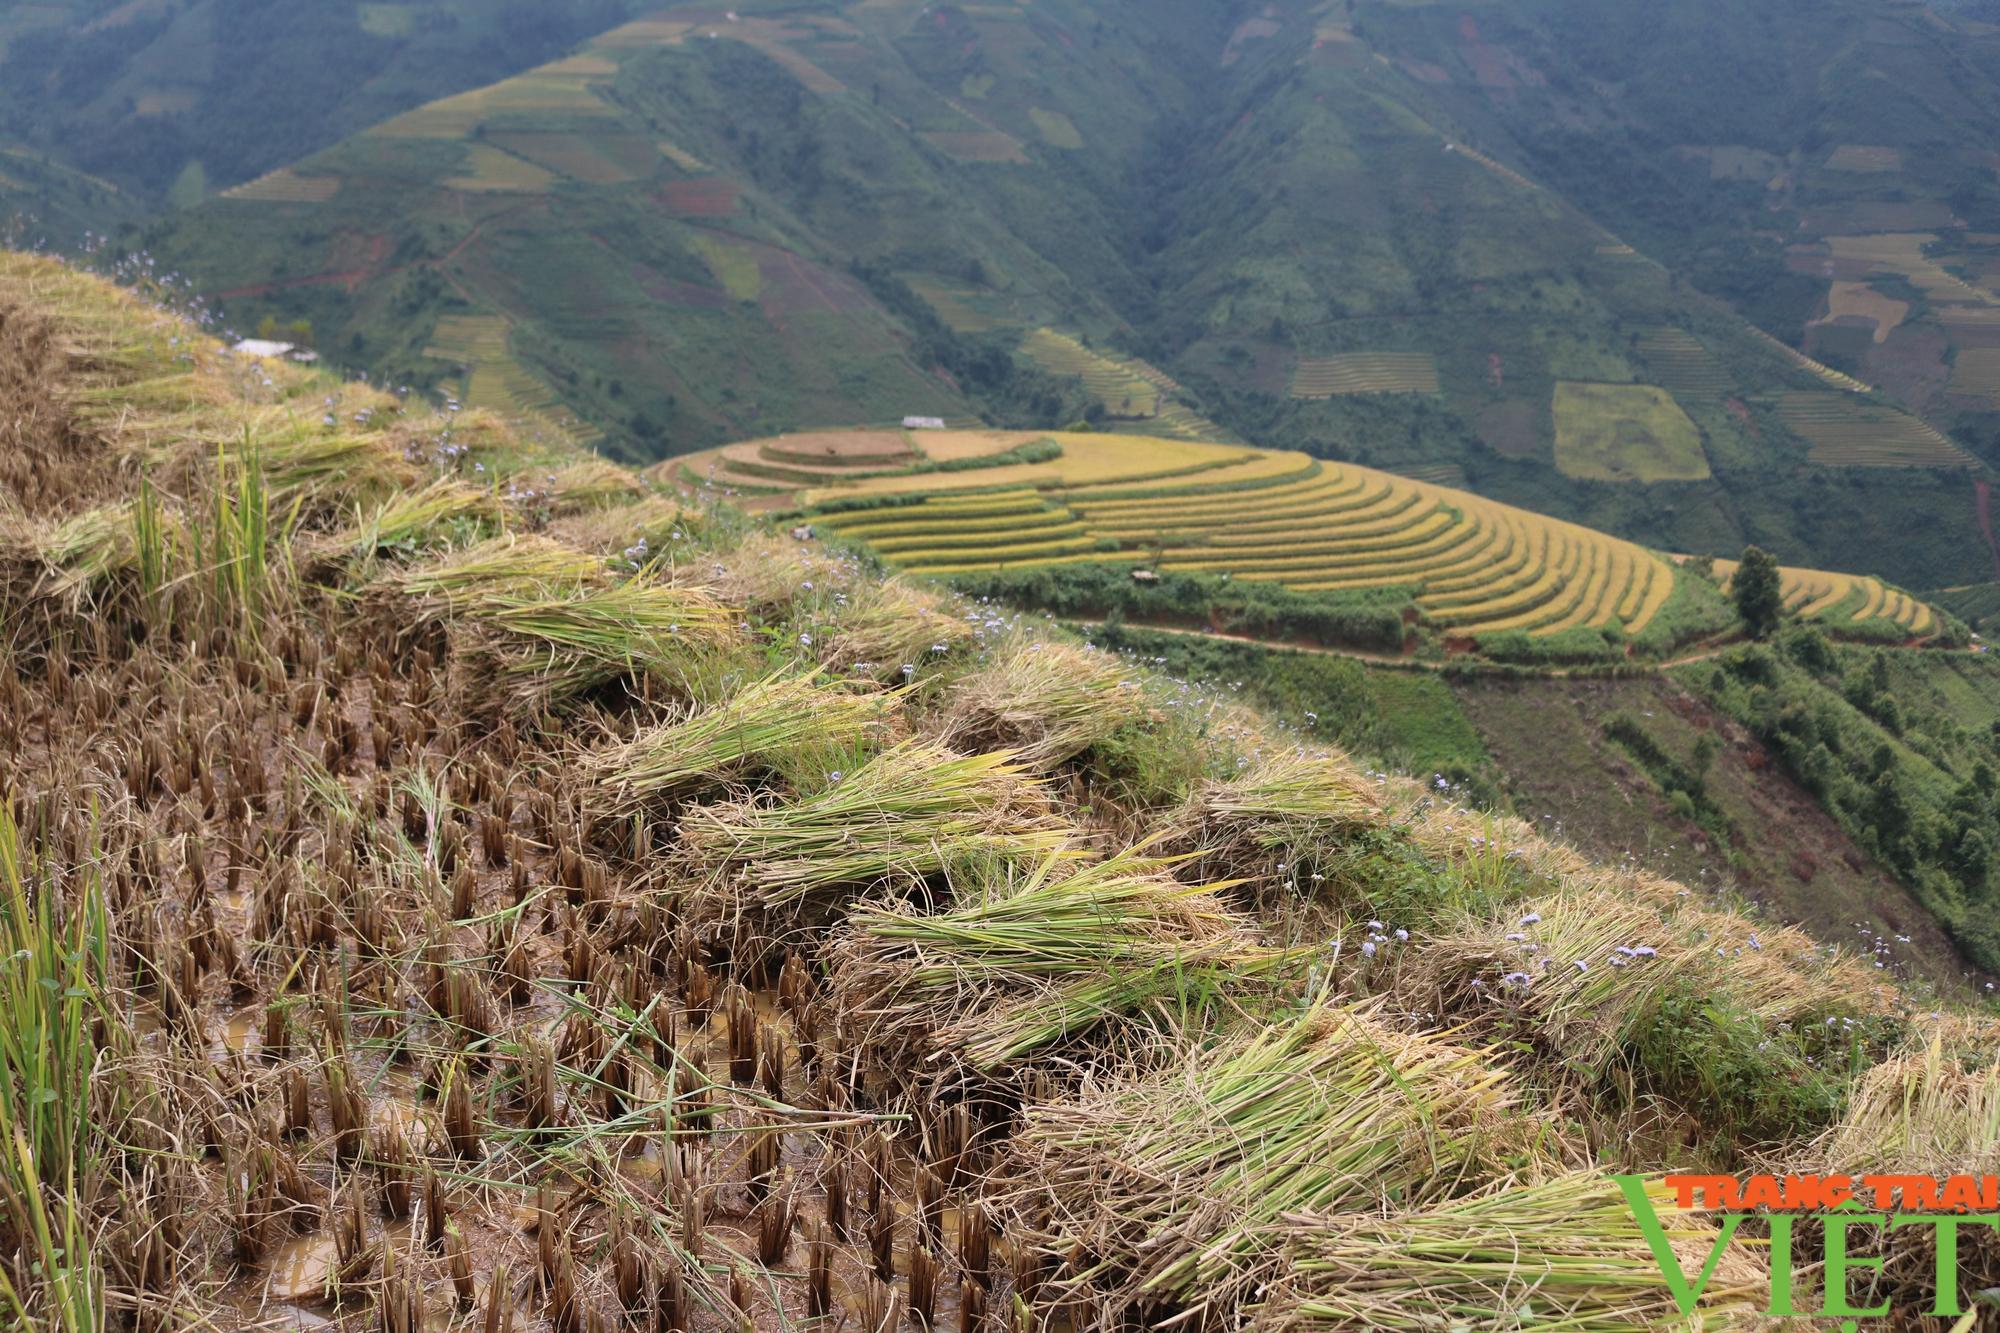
(1126, 386)
(1865, 158)
(285, 186)
(494, 379)
(1473, 566)
(1847, 432)
(1365, 372)
(1676, 361)
(790, 463)
(1843, 599)
(1906, 255)
(1976, 373)
(491, 170)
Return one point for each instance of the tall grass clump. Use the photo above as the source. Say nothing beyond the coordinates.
(50, 1146)
(913, 811)
(801, 728)
(1566, 1253)
(1169, 1196)
(1035, 961)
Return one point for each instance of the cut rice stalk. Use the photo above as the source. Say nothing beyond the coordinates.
(1034, 964)
(415, 520)
(1566, 1254)
(801, 727)
(484, 575)
(889, 627)
(914, 810)
(1170, 1193)
(1047, 700)
(1582, 968)
(549, 647)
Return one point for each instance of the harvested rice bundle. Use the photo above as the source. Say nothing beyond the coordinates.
(1922, 1114)
(1567, 1253)
(915, 810)
(1278, 811)
(888, 629)
(547, 647)
(483, 575)
(1048, 701)
(1034, 964)
(1456, 834)
(414, 520)
(1778, 974)
(768, 572)
(1581, 968)
(1171, 1194)
(590, 483)
(644, 530)
(800, 727)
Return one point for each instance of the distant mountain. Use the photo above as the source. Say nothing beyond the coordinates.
(1387, 233)
(171, 98)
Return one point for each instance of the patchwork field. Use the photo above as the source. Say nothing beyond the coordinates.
(494, 379)
(1625, 432)
(1859, 300)
(1845, 431)
(1365, 372)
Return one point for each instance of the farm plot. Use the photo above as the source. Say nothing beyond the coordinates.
(1677, 362)
(1125, 386)
(1625, 432)
(1860, 301)
(1976, 373)
(285, 186)
(1365, 372)
(1471, 565)
(1847, 432)
(1836, 600)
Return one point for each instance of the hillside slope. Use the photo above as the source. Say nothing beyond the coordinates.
(1259, 224)
(547, 899)
(172, 99)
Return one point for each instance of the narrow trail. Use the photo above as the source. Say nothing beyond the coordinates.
(1982, 492)
(1703, 651)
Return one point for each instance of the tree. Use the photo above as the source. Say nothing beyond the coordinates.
(1758, 593)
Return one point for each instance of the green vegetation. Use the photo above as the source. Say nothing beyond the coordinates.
(1897, 746)
(1404, 721)
(1757, 591)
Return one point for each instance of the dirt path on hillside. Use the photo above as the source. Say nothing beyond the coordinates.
(1703, 651)
(1982, 493)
